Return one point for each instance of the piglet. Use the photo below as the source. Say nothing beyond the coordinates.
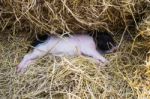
(78, 44)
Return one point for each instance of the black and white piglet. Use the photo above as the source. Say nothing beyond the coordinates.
(78, 44)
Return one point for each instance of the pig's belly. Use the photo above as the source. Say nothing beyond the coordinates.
(65, 48)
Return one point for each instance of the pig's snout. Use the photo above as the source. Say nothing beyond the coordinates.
(114, 49)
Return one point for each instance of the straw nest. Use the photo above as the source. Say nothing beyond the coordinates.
(70, 15)
(126, 77)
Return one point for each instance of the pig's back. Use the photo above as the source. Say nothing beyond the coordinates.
(63, 46)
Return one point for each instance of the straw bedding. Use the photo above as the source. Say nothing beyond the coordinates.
(126, 77)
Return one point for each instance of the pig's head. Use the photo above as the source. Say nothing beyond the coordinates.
(105, 42)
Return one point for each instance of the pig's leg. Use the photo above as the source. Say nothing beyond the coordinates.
(95, 54)
(30, 58)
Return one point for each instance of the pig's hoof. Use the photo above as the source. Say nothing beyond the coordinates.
(21, 69)
(104, 63)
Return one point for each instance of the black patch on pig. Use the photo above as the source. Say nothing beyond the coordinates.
(104, 41)
(38, 40)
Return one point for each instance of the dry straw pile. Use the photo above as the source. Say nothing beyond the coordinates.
(126, 77)
(71, 15)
